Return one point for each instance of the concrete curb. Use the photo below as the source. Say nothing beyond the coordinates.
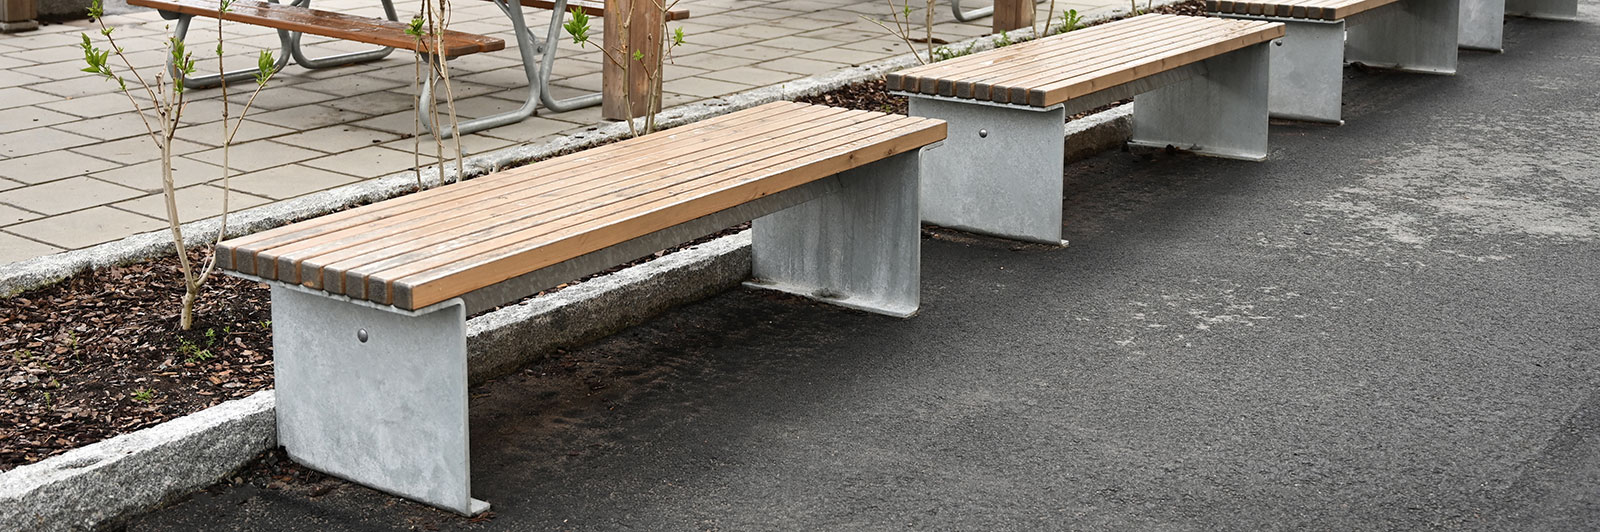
(92, 486)
(100, 484)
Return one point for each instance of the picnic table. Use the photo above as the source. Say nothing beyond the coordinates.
(297, 18)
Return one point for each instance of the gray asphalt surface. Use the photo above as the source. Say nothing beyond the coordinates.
(1389, 325)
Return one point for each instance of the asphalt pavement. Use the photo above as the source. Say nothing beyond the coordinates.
(1391, 324)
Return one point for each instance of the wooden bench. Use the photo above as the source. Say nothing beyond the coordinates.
(1322, 35)
(369, 305)
(1201, 84)
(291, 20)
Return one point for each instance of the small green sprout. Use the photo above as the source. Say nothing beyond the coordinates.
(578, 26)
(677, 35)
(414, 28)
(1071, 20)
(144, 395)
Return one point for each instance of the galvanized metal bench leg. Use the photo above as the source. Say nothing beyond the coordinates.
(528, 47)
(1414, 36)
(1222, 114)
(338, 59)
(999, 171)
(969, 16)
(859, 247)
(1482, 24)
(375, 396)
(181, 30)
(1550, 9)
(1307, 70)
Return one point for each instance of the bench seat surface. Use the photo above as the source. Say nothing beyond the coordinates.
(1049, 71)
(328, 24)
(425, 248)
(1307, 9)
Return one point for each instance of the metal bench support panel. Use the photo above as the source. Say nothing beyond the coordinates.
(1222, 114)
(1550, 9)
(389, 412)
(999, 172)
(1482, 24)
(1420, 36)
(859, 248)
(1308, 72)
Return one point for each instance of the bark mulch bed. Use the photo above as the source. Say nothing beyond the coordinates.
(100, 354)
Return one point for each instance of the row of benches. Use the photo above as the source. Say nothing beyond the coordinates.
(370, 305)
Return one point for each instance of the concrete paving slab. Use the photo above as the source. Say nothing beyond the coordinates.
(51, 165)
(255, 155)
(146, 176)
(194, 203)
(66, 195)
(14, 248)
(86, 227)
(290, 181)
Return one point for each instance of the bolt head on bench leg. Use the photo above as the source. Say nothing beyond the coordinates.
(998, 173)
(375, 397)
(1222, 113)
(858, 248)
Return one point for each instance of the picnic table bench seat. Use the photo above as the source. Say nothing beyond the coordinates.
(297, 18)
(1198, 83)
(1322, 35)
(369, 305)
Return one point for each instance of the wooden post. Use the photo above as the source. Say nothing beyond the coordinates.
(18, 15)
(1013, 14)
(643, 18)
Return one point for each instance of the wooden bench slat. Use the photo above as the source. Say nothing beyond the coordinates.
(543, 196)
(328, 24)
(1055, 69)
(1006, 67)
(1306, 9)
(911, 80)
(429, 247)
(997, 88)
(598, 9)
(517, 185)
(1016, 90)
(917, 133)
(412, 252)
(242, 250)
(1067, 89)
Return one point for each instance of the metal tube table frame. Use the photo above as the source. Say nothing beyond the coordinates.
(1308, 62)
(1000, 172)
(537, 71)
(378, 395)
(289, 48)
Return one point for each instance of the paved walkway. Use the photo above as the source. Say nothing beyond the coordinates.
(76, 168)
(1389, 325)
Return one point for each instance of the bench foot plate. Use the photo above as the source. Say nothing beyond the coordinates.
(859, 247)
(375, 397)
